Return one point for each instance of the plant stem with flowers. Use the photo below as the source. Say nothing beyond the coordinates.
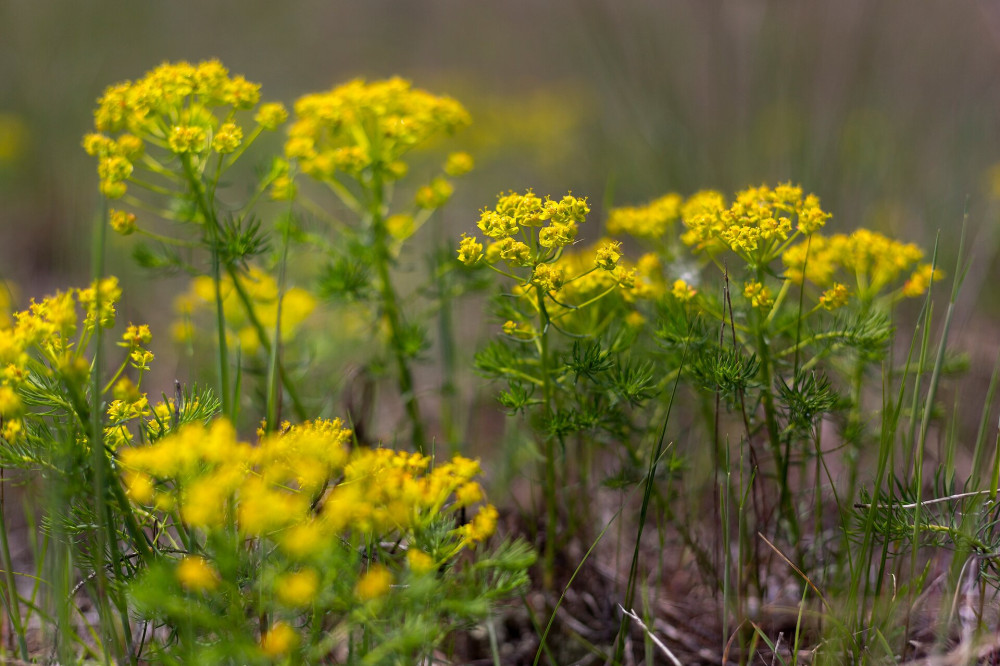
(554, 291)
(353, 140)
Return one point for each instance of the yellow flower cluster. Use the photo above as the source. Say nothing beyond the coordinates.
(51, 332)
(759, 223)
(262, 289)
(598, 271)
(547, 225)
(6, 304)
(302, 487)
(650, 221)
(682, 291)
(360, 124)
(875, 261)
(834, 297)
(181, 108)
(758, 295)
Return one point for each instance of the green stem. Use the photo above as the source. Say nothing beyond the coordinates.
(212, 225)
(773, 432)
(274, 355)
(106, 535)
(12, 600)
(265, 342)
(391, 310)
(551, 513)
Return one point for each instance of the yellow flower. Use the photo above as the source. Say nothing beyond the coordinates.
(12, 430)
(557, 235)
(482, 527)
(196, 574)
(497, 225)
(625, 277)
(136, 336)
(139, 487)
(279, 640)
(758, 295)
(419, 561)
(360, 123)
(141, 358)
(270, 116)
(470, 250)
(374, 583)
(459, 164)
(608, 255)
(434, 195)
(10, 403)
(682, 291)
(400, 226)
(303, 539)
(187, 139)
(515, 253)
(649, 221)
(283, 189)
(297, 589)
(756, 224)
(835, 297)
(123, 222)
(228, 138)
(548, 277)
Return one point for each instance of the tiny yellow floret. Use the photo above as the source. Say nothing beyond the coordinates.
(297, 589)
(279, 640)
(374, 583)
(196, 574)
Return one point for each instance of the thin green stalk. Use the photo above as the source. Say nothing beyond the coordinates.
(446, 337)
(391, 310)
(105, 535)
(979, 451)
(654, 460)
(774, 435)
(549, 454)
(265, 342)
(273, 361)
(11, 600)
(211, 223)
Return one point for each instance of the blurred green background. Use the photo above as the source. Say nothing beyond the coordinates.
(888, 111)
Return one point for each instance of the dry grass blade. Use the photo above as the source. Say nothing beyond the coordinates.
(652, 636)
(797, 570)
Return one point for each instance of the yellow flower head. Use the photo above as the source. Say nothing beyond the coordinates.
(515, 253)
(608, 255)
(227, 138)
(297, 589)
(458, 164)
(123, 222)
(470, 250)
(682, 291)
(758, 295)
(434, 195)
(419, 561)
(196, 574)
(920, 281)
(359, 124)
(835, 297)
(649, 221)
(374, 583)
(548, 277)
(756, 224)
(173, 105)
(279, 640)
(482, 526)
(271, 115)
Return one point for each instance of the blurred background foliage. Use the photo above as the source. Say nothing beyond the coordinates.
(888, 111)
